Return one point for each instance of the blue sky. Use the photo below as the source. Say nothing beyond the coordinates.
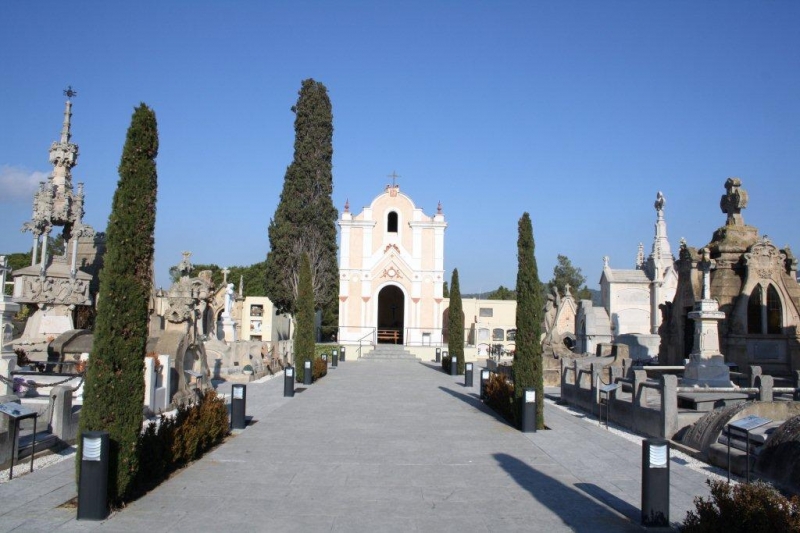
(577, 112)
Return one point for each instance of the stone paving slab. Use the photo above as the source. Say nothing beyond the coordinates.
(379, 446)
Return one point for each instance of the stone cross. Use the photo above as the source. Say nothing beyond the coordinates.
(706, 264)
(225, 272)
(733, 202)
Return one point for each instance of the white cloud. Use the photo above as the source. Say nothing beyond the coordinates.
(18, 184)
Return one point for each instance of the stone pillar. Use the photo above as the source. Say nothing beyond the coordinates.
(669, 405)
(639, 393)
(62, 424)
(596, 369)
(765, 385)
(755, 373)
(150, 383)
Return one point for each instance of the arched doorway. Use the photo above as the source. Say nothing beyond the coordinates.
(391, 315)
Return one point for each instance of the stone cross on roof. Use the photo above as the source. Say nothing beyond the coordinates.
(733, 202)
(225, 272)
(394, 177)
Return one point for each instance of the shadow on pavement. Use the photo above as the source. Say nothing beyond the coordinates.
(475, 401)
(599, 493)
(576, 510)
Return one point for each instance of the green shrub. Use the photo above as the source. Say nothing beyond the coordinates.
(743, 508)
(327, 349)
(500, 396)
(172, 442)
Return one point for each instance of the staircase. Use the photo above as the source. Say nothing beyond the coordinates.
(389, 352)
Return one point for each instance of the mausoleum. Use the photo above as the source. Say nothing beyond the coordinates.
(755, 283)
(631, 298)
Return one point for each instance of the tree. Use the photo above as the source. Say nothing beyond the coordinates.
(445, 290)
(527, 367)
(455, 324)
(304, 332)
(305, 220)
(501, 293)
(114, 387)
(564, 273)
(254, 276)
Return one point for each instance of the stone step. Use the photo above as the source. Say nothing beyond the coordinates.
(392, 352)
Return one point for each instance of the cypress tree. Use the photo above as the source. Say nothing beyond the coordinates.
(455, 324)
(304, 332)
(114, 389)
(305, 219)
(527, 366)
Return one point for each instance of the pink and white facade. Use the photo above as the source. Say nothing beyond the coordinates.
(391, 273)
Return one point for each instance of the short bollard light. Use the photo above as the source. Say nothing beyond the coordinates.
(307, 376)
(325, 358)
(341, 356)
(529, 411)
(468, 375)
(655, 482)
(93, 482)
(438, 355)
(454, 366)
(485, 373)
(336, 354)
(238, 406)
(334, 359)
(288, 382)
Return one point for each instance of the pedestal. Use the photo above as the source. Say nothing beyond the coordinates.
(707, 373)
(228, 330)
(706, 366)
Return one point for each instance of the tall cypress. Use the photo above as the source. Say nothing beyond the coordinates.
(305, 219)
(527, 367)
(304, 332)
(455, 324)
(114, 390)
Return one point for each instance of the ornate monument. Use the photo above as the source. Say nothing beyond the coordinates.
(57, 285)
(755, 285)
(706, 366)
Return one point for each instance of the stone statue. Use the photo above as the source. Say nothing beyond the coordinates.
(229, 296)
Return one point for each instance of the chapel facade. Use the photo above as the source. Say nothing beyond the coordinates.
(391, 273)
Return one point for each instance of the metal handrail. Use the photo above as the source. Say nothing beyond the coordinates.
(370, 334)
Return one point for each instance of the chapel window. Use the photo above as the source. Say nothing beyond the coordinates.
(754, 311)
(774, 311)
(497, 334)
(391, 222)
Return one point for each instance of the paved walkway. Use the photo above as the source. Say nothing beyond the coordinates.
(378, 446)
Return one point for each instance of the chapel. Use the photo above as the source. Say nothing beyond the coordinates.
(391, 272)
